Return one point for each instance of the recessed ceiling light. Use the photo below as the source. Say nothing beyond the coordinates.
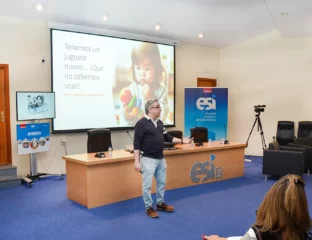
(157, 27)
(39, 7)
(105, 17)
(200, 35)
(283, 14)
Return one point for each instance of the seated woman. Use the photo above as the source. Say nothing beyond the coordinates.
(282, 215)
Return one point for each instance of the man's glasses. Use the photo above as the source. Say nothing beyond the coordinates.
(156, 107)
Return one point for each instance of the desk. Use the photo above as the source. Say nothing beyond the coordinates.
(95, 182)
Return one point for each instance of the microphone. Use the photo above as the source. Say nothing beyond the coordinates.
(130, 136)
(131, 151)
(225, 140)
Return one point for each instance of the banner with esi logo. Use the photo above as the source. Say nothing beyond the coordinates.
(206, 107)
(33, 138)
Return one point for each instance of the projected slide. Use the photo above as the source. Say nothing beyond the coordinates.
(104, 82)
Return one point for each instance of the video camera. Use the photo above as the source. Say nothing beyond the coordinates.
(259, 108)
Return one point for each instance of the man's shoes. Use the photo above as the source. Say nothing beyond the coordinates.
(164, 207)
(152, 213)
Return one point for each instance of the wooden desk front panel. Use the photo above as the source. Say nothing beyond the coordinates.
(76, 181)
(114, 182)
(101, 184)
(229, 162)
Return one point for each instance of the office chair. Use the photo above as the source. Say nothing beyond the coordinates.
(200, 134)
(99, 140)
(176, 133)
(282, 160)
(304, 129)
(285, 132)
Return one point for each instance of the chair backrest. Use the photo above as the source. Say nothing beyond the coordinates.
(176, 133)
(99, 140)
(200, 134)
(285, 132)
(304, 129)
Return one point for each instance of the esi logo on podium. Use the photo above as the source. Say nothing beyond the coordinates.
(203, 171)
(206, 103)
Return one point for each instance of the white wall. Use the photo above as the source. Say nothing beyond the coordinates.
(23, 43)
(267, 70)
(193, 61)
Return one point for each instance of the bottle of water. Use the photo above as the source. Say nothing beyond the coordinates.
(110, 151)
(192, 143)
(222, 141)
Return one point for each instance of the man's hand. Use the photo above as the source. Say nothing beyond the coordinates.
(137, 166)
(187, 140)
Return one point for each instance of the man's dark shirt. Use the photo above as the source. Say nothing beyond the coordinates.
(150, 139)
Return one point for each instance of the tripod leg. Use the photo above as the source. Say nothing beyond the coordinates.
(251, 131)
(263, 142)
(262, 134)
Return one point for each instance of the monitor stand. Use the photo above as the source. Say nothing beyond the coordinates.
(34, 175)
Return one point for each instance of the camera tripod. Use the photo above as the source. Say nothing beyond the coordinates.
(258, 120)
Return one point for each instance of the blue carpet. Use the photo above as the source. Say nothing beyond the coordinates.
(224, 208)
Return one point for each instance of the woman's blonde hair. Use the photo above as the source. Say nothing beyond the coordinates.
(284, 209)
(144, 50)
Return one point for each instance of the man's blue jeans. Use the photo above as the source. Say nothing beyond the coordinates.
(153, 167)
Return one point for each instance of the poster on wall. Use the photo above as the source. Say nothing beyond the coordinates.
(33, 138)
(206, 107)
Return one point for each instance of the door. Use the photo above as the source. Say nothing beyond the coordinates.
(206, 82)
(5, 129)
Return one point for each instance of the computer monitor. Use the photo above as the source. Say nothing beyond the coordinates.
(199, 134)
(35, 105)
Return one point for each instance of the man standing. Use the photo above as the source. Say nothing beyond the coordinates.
(149, 137)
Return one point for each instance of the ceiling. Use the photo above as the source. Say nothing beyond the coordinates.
(223, 22)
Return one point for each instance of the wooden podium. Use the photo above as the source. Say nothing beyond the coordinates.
(95, 182)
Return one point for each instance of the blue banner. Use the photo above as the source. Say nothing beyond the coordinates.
(206, 107)
(33, 138)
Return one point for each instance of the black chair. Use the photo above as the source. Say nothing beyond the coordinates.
(99, 140)
(285, 132)
(176, 133)
(200, 134)
(282, 160)
(304, 129)
(305, 143)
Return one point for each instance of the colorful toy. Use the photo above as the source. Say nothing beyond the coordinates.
(139, 103)
(141, 114)
(135, 111)
(132, 103)
(125, 95)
